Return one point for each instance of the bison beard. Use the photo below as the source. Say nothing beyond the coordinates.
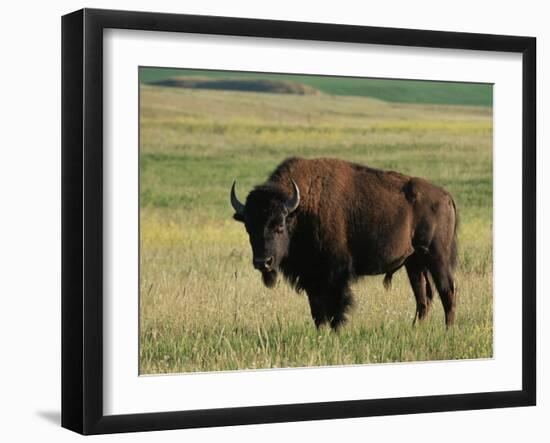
(269, 278)
(325, 222)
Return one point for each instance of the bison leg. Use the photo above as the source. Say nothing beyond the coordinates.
(318, 308)
(429, 292)
(341, 302)
(445, 284)
(420, 285)
(330, 305)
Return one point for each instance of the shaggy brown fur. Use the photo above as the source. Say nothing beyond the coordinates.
(351, 221)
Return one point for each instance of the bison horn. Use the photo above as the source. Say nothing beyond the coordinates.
(237, 205)
(294, 201)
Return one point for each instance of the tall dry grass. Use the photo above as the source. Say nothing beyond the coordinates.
(203, 307)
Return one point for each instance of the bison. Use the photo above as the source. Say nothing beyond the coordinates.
(325, 222)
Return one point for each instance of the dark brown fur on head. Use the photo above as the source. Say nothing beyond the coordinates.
(269, 225)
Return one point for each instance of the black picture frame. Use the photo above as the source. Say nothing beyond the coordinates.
(82, 218)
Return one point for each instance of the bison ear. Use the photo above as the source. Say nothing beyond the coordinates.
(238, 217)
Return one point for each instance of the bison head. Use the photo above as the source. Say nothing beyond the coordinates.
(268, 216)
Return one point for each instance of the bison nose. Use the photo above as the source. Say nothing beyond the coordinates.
(263, 264)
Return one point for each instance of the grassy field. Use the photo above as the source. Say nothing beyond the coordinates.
(204, 308)
(403, 91)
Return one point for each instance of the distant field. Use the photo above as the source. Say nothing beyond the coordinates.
(403, 91)
(202, 305)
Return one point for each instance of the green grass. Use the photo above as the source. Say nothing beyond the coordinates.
(203, 307)
(402, 91)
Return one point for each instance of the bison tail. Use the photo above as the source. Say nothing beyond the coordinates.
(387, 280)
(454, 247)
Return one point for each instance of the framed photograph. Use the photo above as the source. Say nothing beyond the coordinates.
(269, 221)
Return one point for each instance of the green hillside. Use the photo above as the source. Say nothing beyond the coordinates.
(398, 91)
